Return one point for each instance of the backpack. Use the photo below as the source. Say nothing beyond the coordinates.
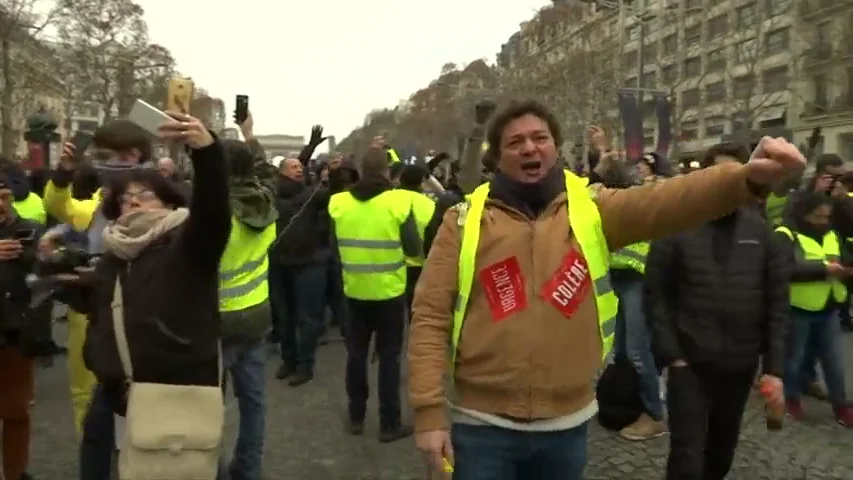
(618, 395)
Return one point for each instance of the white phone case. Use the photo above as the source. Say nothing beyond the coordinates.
(148, 117)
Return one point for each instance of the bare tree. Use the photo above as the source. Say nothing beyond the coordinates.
(764, 66)
(109, 41)
(26, 75)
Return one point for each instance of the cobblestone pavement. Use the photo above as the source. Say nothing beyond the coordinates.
(305, 439)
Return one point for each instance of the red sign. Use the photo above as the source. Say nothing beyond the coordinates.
(569, 285)
(504, 288)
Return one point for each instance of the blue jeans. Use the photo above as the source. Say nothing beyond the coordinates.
(98, 443)
(484, 452)
(246, 364)
(298, 300)
(633, 341)
(823, 331)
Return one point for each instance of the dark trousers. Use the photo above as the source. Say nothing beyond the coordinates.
(98, 443)
(335, 296)
(412, 276)
(385, 319)
(705, 411)
(298, 300)
(16, 390)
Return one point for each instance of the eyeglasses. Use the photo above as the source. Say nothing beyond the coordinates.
(140, 196)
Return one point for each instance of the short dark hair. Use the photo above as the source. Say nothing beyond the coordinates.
(728, 149)
(516, 110)
(827, 160)
(396, 169)
(413, 176)
(374, 163)
(165, 189)
(809, 202)
(239, 159)
(124, 135)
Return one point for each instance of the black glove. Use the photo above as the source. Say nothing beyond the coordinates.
(317, 135)
(484, 110)
(436, 161)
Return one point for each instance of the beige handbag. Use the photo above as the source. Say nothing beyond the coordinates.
(172, 432)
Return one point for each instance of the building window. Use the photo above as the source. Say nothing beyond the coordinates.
(693, 35)
(651, 51)
(775, 80)
(669, 74)
(690, 98)
(715, 92)
(670, 44)
(745, 51)
(821, 92)
(689, 130)
(716, 60)
(630, 59)
(747, 15)
(715, 127)
(718, 26)
(743, 87)
(650, 80)
(777, 7)
(631, 82)
(692, 67)
(776, 41)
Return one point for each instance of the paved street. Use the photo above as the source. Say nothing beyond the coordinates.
(305, 438)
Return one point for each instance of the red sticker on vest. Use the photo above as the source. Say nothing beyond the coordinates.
(569, 285)
(504, 288)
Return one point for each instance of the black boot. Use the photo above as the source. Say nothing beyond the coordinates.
(285, 371)
(301, 377)
(399, 433)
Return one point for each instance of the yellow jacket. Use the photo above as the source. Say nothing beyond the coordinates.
(77, 213)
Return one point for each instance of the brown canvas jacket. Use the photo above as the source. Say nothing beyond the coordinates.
(537, 363)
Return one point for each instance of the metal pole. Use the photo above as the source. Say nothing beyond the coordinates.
(640, 16)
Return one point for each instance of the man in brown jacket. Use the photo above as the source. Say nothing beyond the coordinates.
(524, 376)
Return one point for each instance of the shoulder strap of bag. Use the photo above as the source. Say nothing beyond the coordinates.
(120, 333)
(121, 336)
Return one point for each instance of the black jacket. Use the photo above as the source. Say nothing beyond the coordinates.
(718, 296)
(170, 294)
(303, 224)
(18, 324)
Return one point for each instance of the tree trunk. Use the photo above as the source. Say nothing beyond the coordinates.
(7, 132)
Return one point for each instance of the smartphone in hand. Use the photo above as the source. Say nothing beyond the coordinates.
(179, 95)
(241, 112)
(26, 236)
(81, 141)
(148, 117)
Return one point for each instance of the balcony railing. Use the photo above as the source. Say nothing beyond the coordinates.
(814, 9)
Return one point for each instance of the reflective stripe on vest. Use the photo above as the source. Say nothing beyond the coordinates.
(774, 207)
(632, 257)
(244, 267)
(422, 207)
(31, 208)
(394, 158)
(368, 238)
(584, 221)
(813, 296)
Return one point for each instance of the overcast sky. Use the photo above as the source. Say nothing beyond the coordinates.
(304, 62)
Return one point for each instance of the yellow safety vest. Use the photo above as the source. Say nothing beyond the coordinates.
(368, 236)
(244, 266)
(394, 157)
(812, 296)
(31, 208)
(584, 221)
(774, 207)
(422, 207)
(632, 257)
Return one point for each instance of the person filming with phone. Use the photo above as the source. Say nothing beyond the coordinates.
(17, 333)
(818, 273)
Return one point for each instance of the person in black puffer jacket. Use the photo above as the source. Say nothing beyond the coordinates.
(299, 260)
(717, 300)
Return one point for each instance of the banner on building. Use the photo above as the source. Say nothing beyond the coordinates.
(663, 110)
(632, 123)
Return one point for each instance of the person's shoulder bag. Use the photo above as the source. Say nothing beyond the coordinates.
(172, 432)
